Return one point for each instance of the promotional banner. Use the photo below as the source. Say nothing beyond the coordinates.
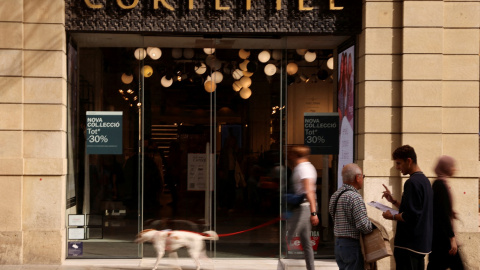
(104, 133)
(346, 88)
(321, 133)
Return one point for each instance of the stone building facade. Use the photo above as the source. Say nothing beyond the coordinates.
(418, 84)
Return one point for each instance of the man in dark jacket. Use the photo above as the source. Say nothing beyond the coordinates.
(413, 238)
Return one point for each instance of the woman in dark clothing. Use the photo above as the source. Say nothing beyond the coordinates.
(444, 253)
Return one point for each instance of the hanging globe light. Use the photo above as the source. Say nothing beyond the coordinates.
(243, 65)
(166, 82)
(209, 50)
(264, 56)
(310, 56)
(237, 86)
(245, 93)
(243, 54)
(127, 78)
(292, 68)
(277, 54)
(245, 82)
(217, 77)
(147, 71)
(210, 86)
(140, 53)
(188, 53)
(200, 69)
(177, 53)
(237, 74)
(154, 53)
(301, 51)
(330, 63)
(270, 69)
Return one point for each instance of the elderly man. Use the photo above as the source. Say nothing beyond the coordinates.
(350, 219)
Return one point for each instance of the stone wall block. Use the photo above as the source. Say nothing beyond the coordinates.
(45, 37)
(11, 166)
(14, 120)
(422, 93)
(12, 63)
(45, 166)
(381, 41)
(11, 89)
(461, 14)
(11, 252)
(383, 14)
(383, 67)
(45, 117)
(380, 146)
(44, 247)
(423, 13)
(11, 212)
(465, 191)
(43, 203)
(46, 90)
(461, 41)
(423, 40)
(422, 119)
(427, 146)
(44, 144)
(460, 120)
(52, 11)
(461, 145)
(460, 93)
(380, 120)
(11, 142)
(422, 67)
(11, 35)
(379, 93)
(11, 11)
(470, 248)
(45, 64)
(461, 67)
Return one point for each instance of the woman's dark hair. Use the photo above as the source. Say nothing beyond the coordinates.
(404, 152)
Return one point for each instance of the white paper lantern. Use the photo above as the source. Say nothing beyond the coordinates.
(154, 53)
(237, 74)
(245, 82)
(245, 93)
(236, 86)
(166, 82)
(330, 63)
(188, 53)
(270, 69)
(209, 50)
(217, 77)
(127, 79)
(200, 69)
(210, 86)
(243, 65)
(310, 56)
(243, 54)
(177, 53)
(292, 68)
(264, 56)
(277, 54)
(301, 51)
(140, 53)
(247, 73)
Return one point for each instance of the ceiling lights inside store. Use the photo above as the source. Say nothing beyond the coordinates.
(212, 67)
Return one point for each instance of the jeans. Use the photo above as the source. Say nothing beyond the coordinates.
(348, 254)
(300, 224)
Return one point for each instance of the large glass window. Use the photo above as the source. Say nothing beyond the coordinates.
(204, 127)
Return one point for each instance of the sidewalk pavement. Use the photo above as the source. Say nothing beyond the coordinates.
(185, 263)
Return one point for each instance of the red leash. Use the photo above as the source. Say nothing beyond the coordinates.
(251, 229)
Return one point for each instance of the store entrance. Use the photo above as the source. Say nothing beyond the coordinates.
(205, 126)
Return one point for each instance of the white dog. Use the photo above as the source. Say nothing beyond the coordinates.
(171, 241)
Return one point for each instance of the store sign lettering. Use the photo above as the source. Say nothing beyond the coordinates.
(218, 5)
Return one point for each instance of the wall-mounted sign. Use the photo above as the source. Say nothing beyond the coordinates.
(104, 133)
(197, 171)
(76, 233)
(265, 17)
(321, 133)
(76, 220)
(75, 249)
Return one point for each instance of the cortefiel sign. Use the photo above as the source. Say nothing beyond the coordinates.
(321, 133)
(104, 133)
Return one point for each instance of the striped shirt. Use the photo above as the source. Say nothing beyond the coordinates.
(351, 218)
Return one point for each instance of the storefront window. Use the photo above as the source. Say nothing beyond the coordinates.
(204, 125)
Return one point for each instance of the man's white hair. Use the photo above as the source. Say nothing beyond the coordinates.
(349, 172)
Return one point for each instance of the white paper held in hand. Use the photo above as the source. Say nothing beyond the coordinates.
(382, 207)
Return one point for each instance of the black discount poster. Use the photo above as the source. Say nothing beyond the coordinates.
(104, 133)
(321, 133)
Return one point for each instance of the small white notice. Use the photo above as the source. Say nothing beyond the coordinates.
(382, 207)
